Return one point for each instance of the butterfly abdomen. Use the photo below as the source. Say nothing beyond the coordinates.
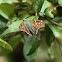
(30, 27)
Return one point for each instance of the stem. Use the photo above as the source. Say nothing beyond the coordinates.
(36, 14)
(37, 37)
(53, 22)
(56, 6)
(53, 7)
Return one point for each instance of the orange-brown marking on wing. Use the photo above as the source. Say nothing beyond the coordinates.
(23, 27)
(37, 24)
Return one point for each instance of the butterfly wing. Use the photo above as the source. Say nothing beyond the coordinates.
(37, 24)
(23, 27)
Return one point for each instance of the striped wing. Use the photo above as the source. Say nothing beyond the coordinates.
(23, 27)
(37, 24)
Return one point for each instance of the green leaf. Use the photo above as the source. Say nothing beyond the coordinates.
(51, 51)
(35, 45)
(55, 30)
(42, 18)
(53, 1)
(24, 16)
(12, 28)
(6, 10)
(21, 9)
(49, 35)
(60, 2)
(54, 11)
(44, 6)
(32, 18)
(21, 6)
(60, 28)
(27, 1)
(5, 45)
(24, 0)
(48, 13)
(37, 5)
(59, 43)
(22, 12)
(57, 19)
(27, 46)
(2, 26)
(3, 19)
(10, 1)
(20, 0)
(15, 26)
(3, 22)
(28, 4)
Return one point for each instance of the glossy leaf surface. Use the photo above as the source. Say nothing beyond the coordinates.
(57, 19)
(53, 1)
(48, 13)
(5, 44)
(60, 2)
(41, 13)
(35, 45)
(49, 35)
(37, 5)
(9, 1)
(27, 46)
(51, 51)
(5, 11)
(55, 31)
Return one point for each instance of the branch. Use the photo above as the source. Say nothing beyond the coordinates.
(55, 23)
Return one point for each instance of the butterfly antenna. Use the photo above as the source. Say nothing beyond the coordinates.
(25, 18)
(37, 37)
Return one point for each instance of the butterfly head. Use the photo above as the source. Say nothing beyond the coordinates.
(24, 20)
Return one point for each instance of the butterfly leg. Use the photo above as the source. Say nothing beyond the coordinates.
(37, 37)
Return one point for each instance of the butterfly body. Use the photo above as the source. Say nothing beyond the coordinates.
(31, 27)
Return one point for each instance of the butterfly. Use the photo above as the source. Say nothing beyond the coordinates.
(31, 27)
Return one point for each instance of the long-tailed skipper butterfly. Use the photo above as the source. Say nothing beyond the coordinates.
(31, 27)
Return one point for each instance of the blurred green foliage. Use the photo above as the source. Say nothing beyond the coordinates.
(19, 45)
